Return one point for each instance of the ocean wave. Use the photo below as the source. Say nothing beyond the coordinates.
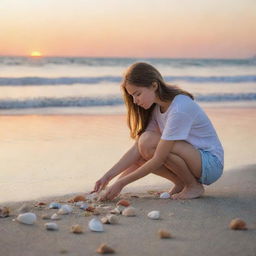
(107, 101)
(40, 81)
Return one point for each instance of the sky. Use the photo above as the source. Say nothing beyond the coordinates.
(129, 28)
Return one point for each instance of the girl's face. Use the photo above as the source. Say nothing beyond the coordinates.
(142, 96)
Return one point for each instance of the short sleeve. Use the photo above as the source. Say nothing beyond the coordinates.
(177, 127)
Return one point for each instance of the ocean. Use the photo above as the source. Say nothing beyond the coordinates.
(61, 85)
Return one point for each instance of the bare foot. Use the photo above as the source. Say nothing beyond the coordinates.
(176, 189)
(190, 192)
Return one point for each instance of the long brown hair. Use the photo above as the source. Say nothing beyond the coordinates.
(144, 75)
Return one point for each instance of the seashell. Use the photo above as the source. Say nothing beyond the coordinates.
(24, 208)
(95, 225)
(237, 224)
(129, 212)
(123, 202)
(41, 204)
(90, 209)
(115, 211)
(104, 249)
(120, 208)
(164, 233)
(154, 215)
(46, 217)
(104, 220)
(4, 212)
(55, 216)
(165, 195)
(51, 226)
(112, 219)
(65, 209)
(77, 229)
(79, 198)
(28, 218)
(54, 205)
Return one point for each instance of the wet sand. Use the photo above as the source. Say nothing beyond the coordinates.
(45, 155)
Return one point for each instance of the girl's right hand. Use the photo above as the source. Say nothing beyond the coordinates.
(101, 184)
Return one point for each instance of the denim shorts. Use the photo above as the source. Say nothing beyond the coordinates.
(212, 168)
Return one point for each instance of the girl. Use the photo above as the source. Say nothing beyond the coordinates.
(173, 137)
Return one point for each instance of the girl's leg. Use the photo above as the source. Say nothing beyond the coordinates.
(184, 161)
(163, 172)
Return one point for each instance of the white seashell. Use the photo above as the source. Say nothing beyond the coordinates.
(165, 195)
(55, 216)
(65, 209)
(27, 218)
(95, 225)
(24, 208)
(54, 205)
(112, 219)
(51, 226)
(154, 215)
(129, 211)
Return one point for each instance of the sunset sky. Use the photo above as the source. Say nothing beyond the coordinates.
(129, 28)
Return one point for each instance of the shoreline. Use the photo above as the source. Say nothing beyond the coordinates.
(195, 225)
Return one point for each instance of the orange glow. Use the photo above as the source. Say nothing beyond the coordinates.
(36, 54)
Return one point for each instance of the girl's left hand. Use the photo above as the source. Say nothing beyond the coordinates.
(112, 191)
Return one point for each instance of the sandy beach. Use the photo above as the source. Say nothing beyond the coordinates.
(198, 227)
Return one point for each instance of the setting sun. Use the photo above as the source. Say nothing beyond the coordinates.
(36, 54)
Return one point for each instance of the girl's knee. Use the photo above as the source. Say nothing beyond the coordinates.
(147, 144)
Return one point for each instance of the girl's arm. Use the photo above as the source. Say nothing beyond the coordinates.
(130, 157)
(160, 157)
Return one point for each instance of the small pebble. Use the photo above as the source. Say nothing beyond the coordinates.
(54, 205)
(55, 216)
(51, 226)
(95, 225)
(28, 218)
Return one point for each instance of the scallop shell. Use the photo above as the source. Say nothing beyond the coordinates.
(164, 233)
(104, 249)
(4, 212)
(77, 229)
(154, 215)
(28, 218)
(95, 225)
(124, 203)
(129, 212)
(51, 226)
(54, 205)
(65, 209)
(165, 195)
(55, 216)
(112, 219)
(237, 224)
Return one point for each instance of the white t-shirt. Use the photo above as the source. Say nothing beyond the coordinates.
(186, 120)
